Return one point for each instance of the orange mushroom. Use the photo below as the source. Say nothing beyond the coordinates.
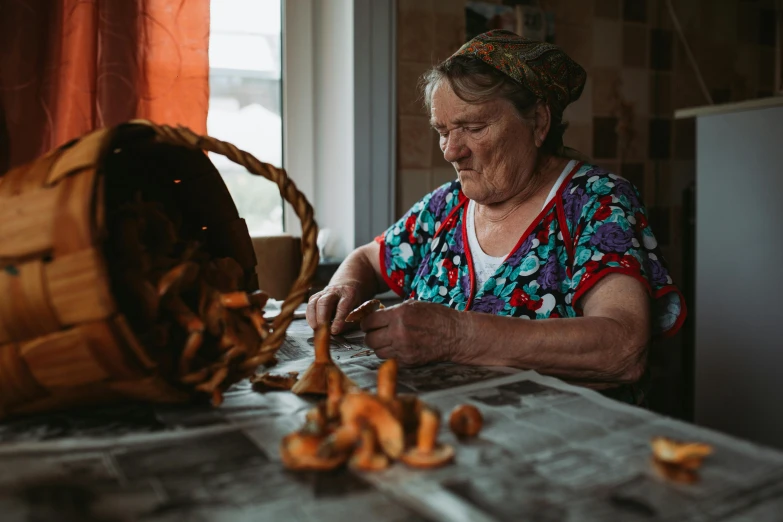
(341, 441)
(367, 457)
(428, 453)
(299, 451)
(387, 381)
(687, 455)
(277, 382)
(465, 421)
(314, 378)
(182, 275)
(363, 310)
(362, 408)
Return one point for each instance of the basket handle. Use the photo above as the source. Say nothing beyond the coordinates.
(187, 138)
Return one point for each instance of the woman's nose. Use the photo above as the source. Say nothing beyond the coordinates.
(454, 149)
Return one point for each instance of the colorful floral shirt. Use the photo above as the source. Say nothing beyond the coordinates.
(595, 225)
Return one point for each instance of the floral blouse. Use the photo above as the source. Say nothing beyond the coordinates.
(594, 226)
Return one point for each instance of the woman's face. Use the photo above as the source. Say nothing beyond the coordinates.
(493, 150)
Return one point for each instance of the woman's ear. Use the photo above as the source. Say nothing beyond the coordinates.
(543, 122)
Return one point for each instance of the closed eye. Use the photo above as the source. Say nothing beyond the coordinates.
(476, 129)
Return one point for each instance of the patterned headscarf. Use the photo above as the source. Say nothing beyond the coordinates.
(543, 68)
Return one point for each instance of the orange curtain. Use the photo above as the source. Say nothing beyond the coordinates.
(70, 66)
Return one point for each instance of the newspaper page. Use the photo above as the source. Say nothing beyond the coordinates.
(554, 452)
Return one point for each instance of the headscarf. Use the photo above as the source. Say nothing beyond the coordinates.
(542, 68)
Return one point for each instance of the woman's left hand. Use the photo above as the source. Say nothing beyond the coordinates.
(415, 332)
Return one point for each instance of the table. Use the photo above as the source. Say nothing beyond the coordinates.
(549, 451)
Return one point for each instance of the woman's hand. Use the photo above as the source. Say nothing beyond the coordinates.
(414, 332)
(333, 303)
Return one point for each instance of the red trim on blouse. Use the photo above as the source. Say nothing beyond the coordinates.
(382, 243)
(468, 256)
(561, 218)
(461, 200)
(597, 276)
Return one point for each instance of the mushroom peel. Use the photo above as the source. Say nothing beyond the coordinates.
(313, 380)
(363, 310)
(275, 381)
(367, 457)
(428, 453)
(686, 455)
(299, 451)
(465, 421)
(362, 408)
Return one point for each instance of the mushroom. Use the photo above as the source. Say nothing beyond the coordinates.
(387, 381)
(367, 457)
(277, 382)
(428, 453)
(299, 451)
(363, 310)
(687, 455)
(341, 441)
(314, 378)
(182, 275)
(465, 421)
(362, 408)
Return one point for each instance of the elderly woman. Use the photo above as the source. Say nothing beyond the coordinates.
(528, 231)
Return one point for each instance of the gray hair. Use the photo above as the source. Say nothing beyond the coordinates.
(473, 81)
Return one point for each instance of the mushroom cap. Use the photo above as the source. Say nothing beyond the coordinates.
(684, 454)
(466, 420)
(358, 408)
(440, 455)
(368, 462)
(340, 442)
(299, 451)
(363, 310)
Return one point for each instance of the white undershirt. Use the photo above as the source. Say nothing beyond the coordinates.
(485, 265)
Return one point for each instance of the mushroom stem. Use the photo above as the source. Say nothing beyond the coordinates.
(387, 381)
(334, 392)
(321, 342)
(429, 424)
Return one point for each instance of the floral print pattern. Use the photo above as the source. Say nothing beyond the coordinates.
(596, 225)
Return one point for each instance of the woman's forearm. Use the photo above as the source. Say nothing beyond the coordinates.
(590, 349)
(362, 271)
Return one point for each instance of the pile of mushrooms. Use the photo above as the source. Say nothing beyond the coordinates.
(189, 307)
(366, 431)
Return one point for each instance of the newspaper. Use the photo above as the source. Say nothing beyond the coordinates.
(549, 451)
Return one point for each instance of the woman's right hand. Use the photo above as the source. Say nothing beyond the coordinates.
(333, 303)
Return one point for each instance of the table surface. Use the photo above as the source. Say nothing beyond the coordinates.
(549, 451)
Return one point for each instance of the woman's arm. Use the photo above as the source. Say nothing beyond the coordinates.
(357, 279)
(606, 346)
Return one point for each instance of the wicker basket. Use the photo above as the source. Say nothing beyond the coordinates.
(64, 338)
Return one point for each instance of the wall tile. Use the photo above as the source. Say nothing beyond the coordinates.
(661, 94)
(609, 166)
(416, 36)
(607, 43)
(455, 7)
(720, 95)
(415, 139)
(605, 138)
(748, 23)
(576, 41)
(413, 184)
(660, 138)
(581, 111)
(659, 190)
(635, 40)
(634, 172)
(449, 34)
(661, 49)
(443, 175)
(635, 88)
(579, 136)
(746, 64)
(686, 91)
(685, 139)
(570, 12)
(658, 15)
(683, 173)
(606, 91)
(635, 10)
(607, 9)
(659, 219)
(410, 100)
(633, 140)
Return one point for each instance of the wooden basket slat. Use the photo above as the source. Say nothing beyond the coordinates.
(24, 307)
(129, 341)
(27, 221)
(73, 225)
(17, 384)
(62, 359)
(5, 335)
(78, 287)
(105, 347)
(86, 154)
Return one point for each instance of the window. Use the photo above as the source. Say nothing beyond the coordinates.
(245, 106)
